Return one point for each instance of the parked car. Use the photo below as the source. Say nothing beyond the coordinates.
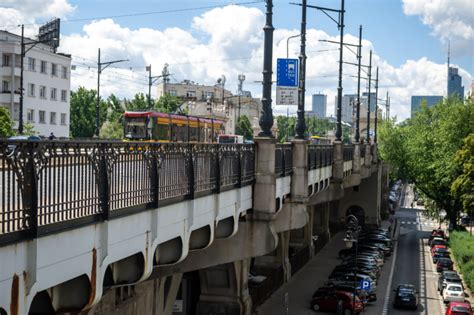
(329, 303)
(444, 264)
(372, 294)
(406, 296)
(438, 249)
(13, 140)
(453, 292)
(361, 294)
(438, 255)
(435, 242)
(459, 308)
(447, 276)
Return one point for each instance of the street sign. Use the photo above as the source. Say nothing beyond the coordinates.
(287, 82)
(365, 285)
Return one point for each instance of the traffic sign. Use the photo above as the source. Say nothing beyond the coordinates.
(365, 285)
(287, 82)
(287, 72)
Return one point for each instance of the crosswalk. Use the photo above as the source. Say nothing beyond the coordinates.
(418, 222)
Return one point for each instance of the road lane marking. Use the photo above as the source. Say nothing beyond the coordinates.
(389, 286)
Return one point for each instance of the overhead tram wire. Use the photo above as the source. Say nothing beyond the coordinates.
(151, 13)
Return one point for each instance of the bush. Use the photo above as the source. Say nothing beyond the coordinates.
(462, 247)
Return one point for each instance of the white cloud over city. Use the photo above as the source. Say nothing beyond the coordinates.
(204, 50)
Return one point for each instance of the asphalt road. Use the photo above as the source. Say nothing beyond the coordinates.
(413, 263)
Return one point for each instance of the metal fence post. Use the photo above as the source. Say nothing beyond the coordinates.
(30, 194)
(217, 168)
(190, 171)
(239, 165)
(103, 183)
(154, 177)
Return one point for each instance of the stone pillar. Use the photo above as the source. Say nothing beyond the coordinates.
(282, 254)
(375, 158)
(166, 289)
(338, 166)
(309, 230)
(299, 178)
(265, 183)
(368, 155)
(356, 159)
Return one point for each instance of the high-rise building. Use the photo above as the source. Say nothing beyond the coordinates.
(348, 108)
(416, 100)
(46, 85)
(319, 105)
(455, 83)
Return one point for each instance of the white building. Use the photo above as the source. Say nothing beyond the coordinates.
(46, 85)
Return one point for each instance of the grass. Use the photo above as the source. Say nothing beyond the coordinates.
(462, 247)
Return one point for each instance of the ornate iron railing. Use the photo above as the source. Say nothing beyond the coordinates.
(347, 152)
(320, 156)
(47, 186)
(283, 160)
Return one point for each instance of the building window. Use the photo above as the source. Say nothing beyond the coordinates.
(42, 117)
(42, 91)
(64, 74)
(43, 66)
(31, 89)
(52, 118)
(207, 95)
(31, 64)
(5, 86)
(191, 94)
(54, 70)
(63, 119)
(30, 115)
(173, 93)
(53, 94)
(6, 60)
(64, 95)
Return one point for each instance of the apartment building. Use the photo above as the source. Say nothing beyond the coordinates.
(46, 84)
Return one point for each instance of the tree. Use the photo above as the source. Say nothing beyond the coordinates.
(111, 130)
(244, 128)
(83, 113)
(168, 104)
(423, 150)
(29, 129)
(138, 103)
(463, 186)
(115, 109)
(6, 123)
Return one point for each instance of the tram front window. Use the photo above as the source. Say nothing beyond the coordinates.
(135, 128)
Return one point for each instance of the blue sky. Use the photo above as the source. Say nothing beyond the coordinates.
(408, 37)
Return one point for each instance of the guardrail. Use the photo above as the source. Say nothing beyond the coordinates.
(347, 152)
(55, 185)
(283, 160)
(320, 155)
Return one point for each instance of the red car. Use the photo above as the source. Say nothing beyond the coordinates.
(329, 302)
(459, 308)
(433, 249)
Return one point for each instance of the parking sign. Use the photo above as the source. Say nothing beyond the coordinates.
(365, 285)
(287, 82)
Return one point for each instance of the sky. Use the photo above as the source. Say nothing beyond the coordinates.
(203, 40)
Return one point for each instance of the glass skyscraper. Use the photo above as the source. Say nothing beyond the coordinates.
(455, 83)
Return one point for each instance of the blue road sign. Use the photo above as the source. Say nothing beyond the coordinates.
(365, 285)
(287, 72)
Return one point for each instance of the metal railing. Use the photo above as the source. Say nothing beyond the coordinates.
(51, 186)
(347, 152)
(283, 160)
(320, 156)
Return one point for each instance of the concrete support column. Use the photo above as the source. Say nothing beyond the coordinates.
(368, 156)
(299, 178)
(282, 254)
(356, 159)
(309, 230)
(265, 183)
(166, 289)
(374, 154)
(338, 166)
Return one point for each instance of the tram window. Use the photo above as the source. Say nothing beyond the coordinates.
(193, 134)
(135, 128)
(174, 133)
(161, 132)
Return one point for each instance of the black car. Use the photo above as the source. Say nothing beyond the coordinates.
(359, 269)
(406, 296)
(444, 264)
(440, 254)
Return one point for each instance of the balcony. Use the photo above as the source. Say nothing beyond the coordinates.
(6, 97)
(7, 71)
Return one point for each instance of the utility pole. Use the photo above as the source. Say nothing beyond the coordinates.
(266, 117)
(151, 80)
(22, 53)
(99, 71)
(339, 87)
(387, 107)
(300, 123)
(376, 102)
(368, 97)
(359, 57)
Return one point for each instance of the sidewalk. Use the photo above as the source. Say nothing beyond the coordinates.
(303, 284)
(314, 274)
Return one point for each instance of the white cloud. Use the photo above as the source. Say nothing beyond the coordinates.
(452, 20)
(229, 41)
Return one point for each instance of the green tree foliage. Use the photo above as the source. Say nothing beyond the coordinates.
(244, 128)
(138, 103)
(6, 123)
(463, 186)
(29, 129)
(111, 130)
(168, 104)
(83, 113)
(115, 108)
(462, 247)
(286, 128)
(423, 149)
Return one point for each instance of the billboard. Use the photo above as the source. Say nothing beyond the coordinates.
(49, 33)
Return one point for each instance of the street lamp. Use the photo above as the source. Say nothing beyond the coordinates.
(99, 71)
(23, 52)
